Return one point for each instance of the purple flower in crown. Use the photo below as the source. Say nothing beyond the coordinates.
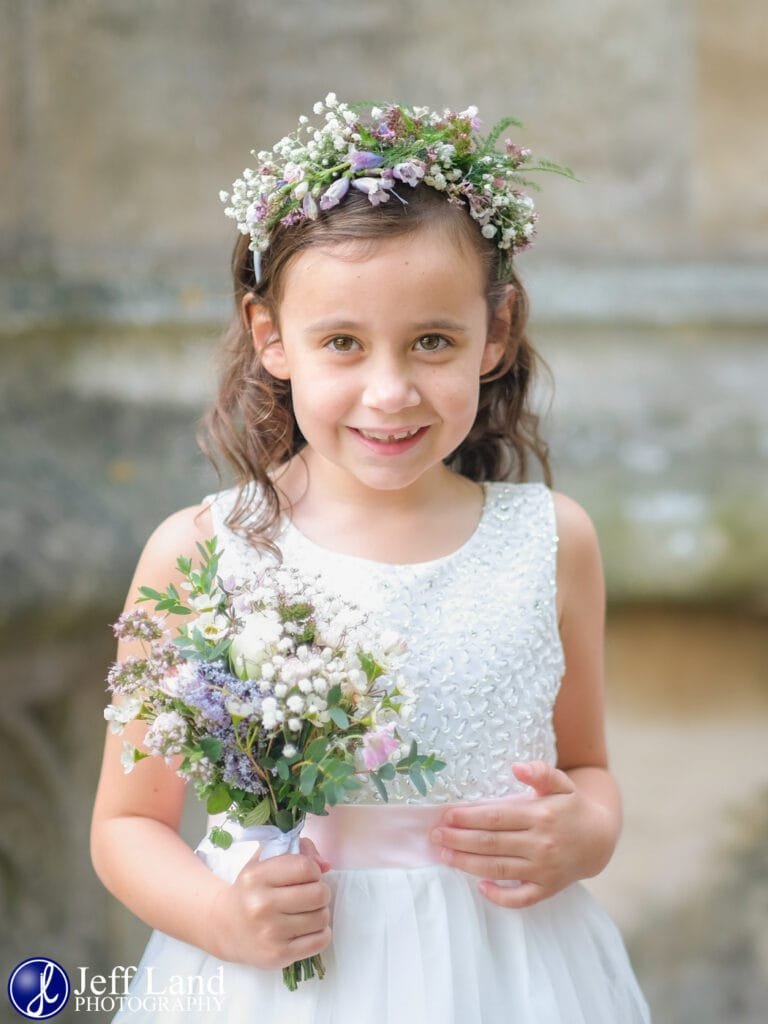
(294, 217)
(363, 161)
(334, 194)
(410, 171)
(384, 132)
(256, 212)
(375, 188)
(309, 206)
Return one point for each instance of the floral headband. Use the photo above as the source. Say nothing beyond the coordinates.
(376, 153)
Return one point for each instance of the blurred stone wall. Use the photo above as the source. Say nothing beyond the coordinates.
(122, 119)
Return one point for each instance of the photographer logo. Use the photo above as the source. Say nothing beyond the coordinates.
(38, 988)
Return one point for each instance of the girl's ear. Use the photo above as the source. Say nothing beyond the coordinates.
(497, 340)
(265, 337)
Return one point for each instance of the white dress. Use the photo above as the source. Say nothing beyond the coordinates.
(414, 941)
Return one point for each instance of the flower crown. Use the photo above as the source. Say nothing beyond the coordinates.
(313, 169)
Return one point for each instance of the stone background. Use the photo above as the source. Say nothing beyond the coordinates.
(120, 120)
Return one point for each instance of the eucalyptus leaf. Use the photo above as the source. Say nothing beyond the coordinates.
(418, 780)
(316, 749)
(308, 778)
(380, 787)
(339, 716)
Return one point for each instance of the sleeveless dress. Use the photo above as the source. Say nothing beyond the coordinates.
(414, 940)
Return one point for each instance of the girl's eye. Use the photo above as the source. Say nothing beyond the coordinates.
(341, 343)
(433, 343)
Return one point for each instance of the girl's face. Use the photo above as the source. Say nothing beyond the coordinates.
(384, 354)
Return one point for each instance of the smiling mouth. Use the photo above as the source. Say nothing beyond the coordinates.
(400, 435)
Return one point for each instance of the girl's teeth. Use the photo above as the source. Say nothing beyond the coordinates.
(390, 437)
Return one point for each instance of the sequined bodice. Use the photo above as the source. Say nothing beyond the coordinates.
(484, 653)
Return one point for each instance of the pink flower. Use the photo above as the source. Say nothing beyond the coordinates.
(378, 746)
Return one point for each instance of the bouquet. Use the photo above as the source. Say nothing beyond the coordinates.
(275, 695)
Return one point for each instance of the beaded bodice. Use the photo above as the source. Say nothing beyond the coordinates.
(484, 654)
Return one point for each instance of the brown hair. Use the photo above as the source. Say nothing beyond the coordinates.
(251, 421)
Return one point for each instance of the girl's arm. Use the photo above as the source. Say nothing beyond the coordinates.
(275, 912)
(569, 830)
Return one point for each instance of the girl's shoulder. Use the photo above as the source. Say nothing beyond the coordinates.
(579, 562)
(575, 529)
(175, 537)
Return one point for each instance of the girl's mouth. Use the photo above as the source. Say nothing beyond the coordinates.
(394, 443)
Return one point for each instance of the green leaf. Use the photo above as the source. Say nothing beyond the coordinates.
(283, 771)
(316, 749)
(296, 612)
(380, 787)
(284, 820)
(334, 694)
(418, 780)
(498, 130)
(259, 815)
(211, 747)
(371, 667)
(220, 837)
(333, 792)
(150, 594)
(219, 800)
(339, 716)
(308, 778)
(387, 772)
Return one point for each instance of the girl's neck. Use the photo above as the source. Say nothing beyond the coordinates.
(431, 518)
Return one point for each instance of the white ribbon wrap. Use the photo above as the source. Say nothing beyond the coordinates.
(257, 266)
(268, 840)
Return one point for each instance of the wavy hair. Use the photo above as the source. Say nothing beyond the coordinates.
(251, 421)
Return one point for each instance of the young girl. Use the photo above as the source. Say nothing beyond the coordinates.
(375, 400)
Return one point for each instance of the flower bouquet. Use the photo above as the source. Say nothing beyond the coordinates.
(275, 695)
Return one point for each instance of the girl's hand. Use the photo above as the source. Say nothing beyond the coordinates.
(275, 912)
(545, 842)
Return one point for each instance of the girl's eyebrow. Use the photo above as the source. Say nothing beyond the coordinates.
(438, 324)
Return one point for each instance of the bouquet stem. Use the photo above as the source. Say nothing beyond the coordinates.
(301, 970)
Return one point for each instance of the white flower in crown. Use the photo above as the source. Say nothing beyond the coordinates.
(380, 151)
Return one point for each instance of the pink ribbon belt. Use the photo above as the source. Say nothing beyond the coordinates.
(379, 835)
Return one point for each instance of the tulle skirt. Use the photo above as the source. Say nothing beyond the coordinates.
(413, 943)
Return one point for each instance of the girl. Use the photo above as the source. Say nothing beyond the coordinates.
(375, 398)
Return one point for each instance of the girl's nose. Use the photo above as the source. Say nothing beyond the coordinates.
(390, 389)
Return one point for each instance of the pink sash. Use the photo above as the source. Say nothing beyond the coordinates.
(380, 835)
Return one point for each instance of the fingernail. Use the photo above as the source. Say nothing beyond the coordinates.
(436, 836)
(445, 854)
